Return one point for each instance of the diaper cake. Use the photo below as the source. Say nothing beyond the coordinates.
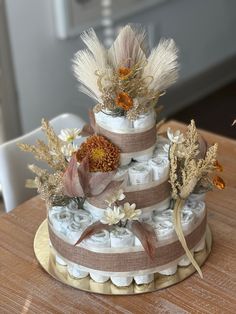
(125, 200)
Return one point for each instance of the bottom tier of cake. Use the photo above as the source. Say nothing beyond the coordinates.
(121, 258)
(47, 259)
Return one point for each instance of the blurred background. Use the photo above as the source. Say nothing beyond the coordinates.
(39, 38)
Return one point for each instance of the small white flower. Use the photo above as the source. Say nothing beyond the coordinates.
(130, 213)
(68, 149)
(175, 137)
(69, 135)
(118, 196)
(180, 152)
(113, 215)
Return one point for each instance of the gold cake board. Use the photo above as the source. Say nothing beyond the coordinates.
(46, 259)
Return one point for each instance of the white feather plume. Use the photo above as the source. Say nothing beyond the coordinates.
(84, 67)
(88, 62)
(98, 51)
(162, 65)
(126, 49)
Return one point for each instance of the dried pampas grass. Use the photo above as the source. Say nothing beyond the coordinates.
(125, 68)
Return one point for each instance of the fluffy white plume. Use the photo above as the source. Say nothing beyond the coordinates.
(98, 51)
(127, 49)
(84, 67)
(87, 63)
(162, 65)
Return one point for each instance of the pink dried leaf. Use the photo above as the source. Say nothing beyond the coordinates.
(84, 175)
(92, 229)
(71, 180)
(203, 146)
(146, 234)
(87, 130)
(92, 119)
(99, 181)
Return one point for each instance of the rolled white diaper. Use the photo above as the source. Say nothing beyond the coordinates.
(165, 230)
(171, 270)
(197, 197)
(160, 168)
(145, 121)
(99, 240)
(121, 237)
(105, 119)
(146, 217)
(72, 205)
(140, 173)
(201, 244)
(142, 279)
(73, 233)
(82, 217)
(125, 159)
(96, 212)
(61, 220)
(197, 208)
(145, 155)
(162, 148)
(54, 210)
(122, 174)
(165, 215)
(185, 260)
(75, 271)
(188, 218)
(60, 260)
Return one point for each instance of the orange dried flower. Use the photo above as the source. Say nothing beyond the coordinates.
(124, 101)
(218, 183)
(218, 166)
(124, 72)
(102, 154)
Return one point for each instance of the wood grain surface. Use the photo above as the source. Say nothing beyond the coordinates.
(26, 288)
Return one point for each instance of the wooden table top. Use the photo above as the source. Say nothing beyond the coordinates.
(26, 288)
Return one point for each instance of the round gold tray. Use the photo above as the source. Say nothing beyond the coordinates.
(46, 259)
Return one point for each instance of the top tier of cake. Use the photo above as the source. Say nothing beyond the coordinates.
(136, 139)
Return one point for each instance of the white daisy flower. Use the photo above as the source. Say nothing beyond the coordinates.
(130, 212)
(113, 216)
(175, 137)
(68, 149)
(118, 196)
(69, 135)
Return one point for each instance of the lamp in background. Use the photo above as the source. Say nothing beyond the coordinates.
(107, 22)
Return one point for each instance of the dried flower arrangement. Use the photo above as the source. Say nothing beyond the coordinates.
(124, 80)
(74, 172)
(191, 165)
(81, 172)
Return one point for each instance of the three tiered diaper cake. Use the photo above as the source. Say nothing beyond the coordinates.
(127, 204)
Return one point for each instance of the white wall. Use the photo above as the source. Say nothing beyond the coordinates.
(204, 31)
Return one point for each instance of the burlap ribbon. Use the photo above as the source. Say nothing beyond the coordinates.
(130, 142)
(127, 261)
(142, 198)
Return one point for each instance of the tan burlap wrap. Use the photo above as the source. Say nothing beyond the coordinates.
(130, 142)
(142, 198)
(129, 261)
